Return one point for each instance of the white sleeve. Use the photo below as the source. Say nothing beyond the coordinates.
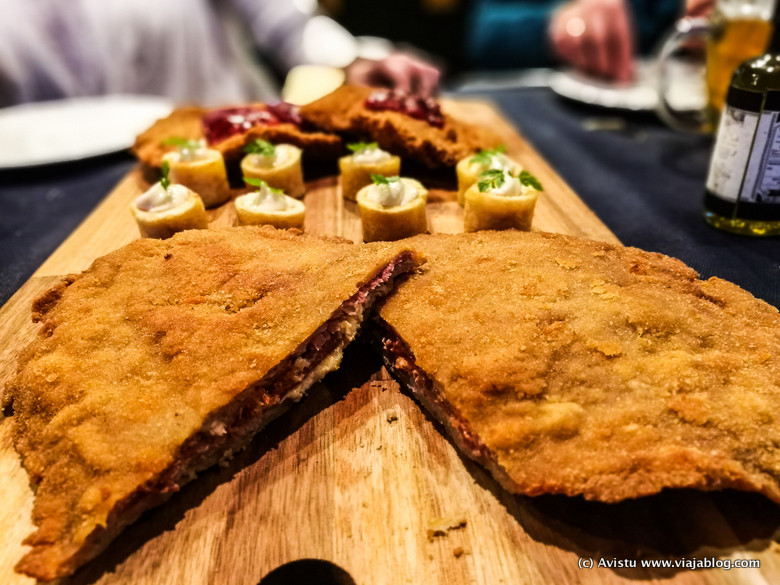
(295, 34)
(52, 49)
(31, 65)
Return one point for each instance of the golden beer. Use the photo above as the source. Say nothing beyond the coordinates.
(732, 41)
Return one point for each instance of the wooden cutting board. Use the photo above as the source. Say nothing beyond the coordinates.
(359, 476)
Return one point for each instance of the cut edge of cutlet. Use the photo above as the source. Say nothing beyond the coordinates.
(235, 423)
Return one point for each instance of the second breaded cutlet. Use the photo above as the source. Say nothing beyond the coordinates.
(576, 367)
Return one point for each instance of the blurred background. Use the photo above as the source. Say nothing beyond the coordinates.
(585, 81)
(220, 51)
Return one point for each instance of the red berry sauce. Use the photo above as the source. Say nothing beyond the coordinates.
(286, 112)
(415, 106)
(219, 125)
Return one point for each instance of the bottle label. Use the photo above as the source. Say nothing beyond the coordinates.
(762, 178)
(732, 151)
(744, 177)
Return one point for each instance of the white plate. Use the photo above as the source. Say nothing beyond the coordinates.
(687, 91)
(641, 95)
(73, 129)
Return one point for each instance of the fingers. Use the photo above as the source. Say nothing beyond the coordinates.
(595, 37)
(399, 71)
(599, 59)
(428, 80)
(360, 73)
(695, 8)
(567, 29)
(623, 45)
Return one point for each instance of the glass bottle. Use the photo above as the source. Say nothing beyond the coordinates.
(743, 185)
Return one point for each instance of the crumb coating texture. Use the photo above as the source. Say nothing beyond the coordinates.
(595, 369)
(136, 353)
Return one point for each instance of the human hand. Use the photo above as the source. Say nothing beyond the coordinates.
(596, 37)
(695, 8)
(397, 70)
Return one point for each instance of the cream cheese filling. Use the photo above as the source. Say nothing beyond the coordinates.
(158, 199)
(197, 153)
(498, 161)
(392, 194)
(371, 155)
(265, 199)
(511, 187)
(282, 156)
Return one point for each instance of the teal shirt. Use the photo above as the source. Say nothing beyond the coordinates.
(507, 34)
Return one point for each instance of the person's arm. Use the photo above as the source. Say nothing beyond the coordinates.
(296, 37)
(277, 27)
(40, 60)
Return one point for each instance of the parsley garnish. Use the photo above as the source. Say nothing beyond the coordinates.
(483, 156)
(259, 183)
(360, 146)
(182, 143)
(382, 180)
(528, 180)
(491, 179)
(261, 147)
(165, 182)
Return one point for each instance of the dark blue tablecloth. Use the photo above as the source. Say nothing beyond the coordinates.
(40, 207)
(644, 181)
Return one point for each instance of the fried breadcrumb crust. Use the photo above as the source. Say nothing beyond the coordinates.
(343, 111)
(594, 369)
(139, 352)
(186, 123)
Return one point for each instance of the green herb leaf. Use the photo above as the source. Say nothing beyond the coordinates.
(483, 156)
(491, 179)
(261, 147)
(182, 143)
(359, 146)
(382, 180)
(165, 182)
(528, 180)
(259, 183)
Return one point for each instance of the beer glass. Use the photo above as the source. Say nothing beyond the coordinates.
(737, 30)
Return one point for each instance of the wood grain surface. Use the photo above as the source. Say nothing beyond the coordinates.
(359, 476)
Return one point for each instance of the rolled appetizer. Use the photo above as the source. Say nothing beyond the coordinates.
(166, 209)
(269, 206)
(392, 208)
(278, 165)
(500, 200)
(366, 159)
(200, 168)
(469, 169)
